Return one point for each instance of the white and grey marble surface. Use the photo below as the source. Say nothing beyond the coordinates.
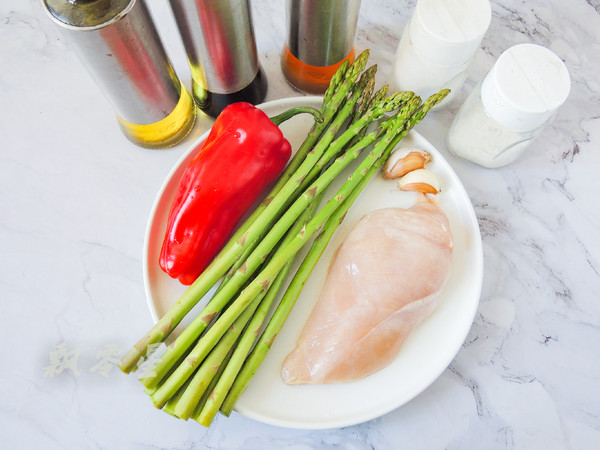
(75, 197)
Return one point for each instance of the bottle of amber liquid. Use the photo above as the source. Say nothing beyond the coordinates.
(120, 47)
(218, 37)
(319, 37)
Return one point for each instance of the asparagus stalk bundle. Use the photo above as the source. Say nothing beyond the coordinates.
(208, 366)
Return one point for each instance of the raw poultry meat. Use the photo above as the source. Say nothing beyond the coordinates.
(383, 281)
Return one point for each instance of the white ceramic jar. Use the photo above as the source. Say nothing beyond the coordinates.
(438, 46)
(510, 106)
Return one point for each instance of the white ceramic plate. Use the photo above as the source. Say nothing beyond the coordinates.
(427, 351)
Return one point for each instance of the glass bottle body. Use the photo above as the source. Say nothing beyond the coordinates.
(166, 132)
(213, 103)
(308, 78)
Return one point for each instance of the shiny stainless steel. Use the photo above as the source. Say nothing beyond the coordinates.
(219, 40)
(321, 32)
(123, 54)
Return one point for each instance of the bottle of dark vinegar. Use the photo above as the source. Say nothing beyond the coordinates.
(212, 103)
(218, 37)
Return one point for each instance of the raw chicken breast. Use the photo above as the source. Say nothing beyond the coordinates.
(382, 282)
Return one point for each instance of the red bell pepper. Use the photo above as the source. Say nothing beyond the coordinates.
(243, 153)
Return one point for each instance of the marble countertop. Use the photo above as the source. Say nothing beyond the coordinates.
(75, 197)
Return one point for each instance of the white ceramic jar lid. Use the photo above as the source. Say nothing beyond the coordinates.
(525, 87)
(449, 31)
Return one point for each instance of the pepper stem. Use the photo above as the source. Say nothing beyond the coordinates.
(280, 118)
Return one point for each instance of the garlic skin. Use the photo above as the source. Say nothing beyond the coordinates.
(404, 161)
(420, 180)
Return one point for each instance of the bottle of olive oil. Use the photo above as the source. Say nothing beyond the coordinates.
(119, 45)
(218, 37)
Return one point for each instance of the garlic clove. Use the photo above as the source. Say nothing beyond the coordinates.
(405, 160)
(421, 180)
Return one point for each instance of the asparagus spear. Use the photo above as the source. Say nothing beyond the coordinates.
(258, 228)
(183, 404)
(337, 78)
(211, 386)
(231, 251)
(265, 278)
(169, 408)
(375, 110)
(286, 304)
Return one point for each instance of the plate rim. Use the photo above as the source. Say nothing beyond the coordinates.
(332, 423)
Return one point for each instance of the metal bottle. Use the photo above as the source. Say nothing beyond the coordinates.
(319, 37)
(119, 45)
(218, 37)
